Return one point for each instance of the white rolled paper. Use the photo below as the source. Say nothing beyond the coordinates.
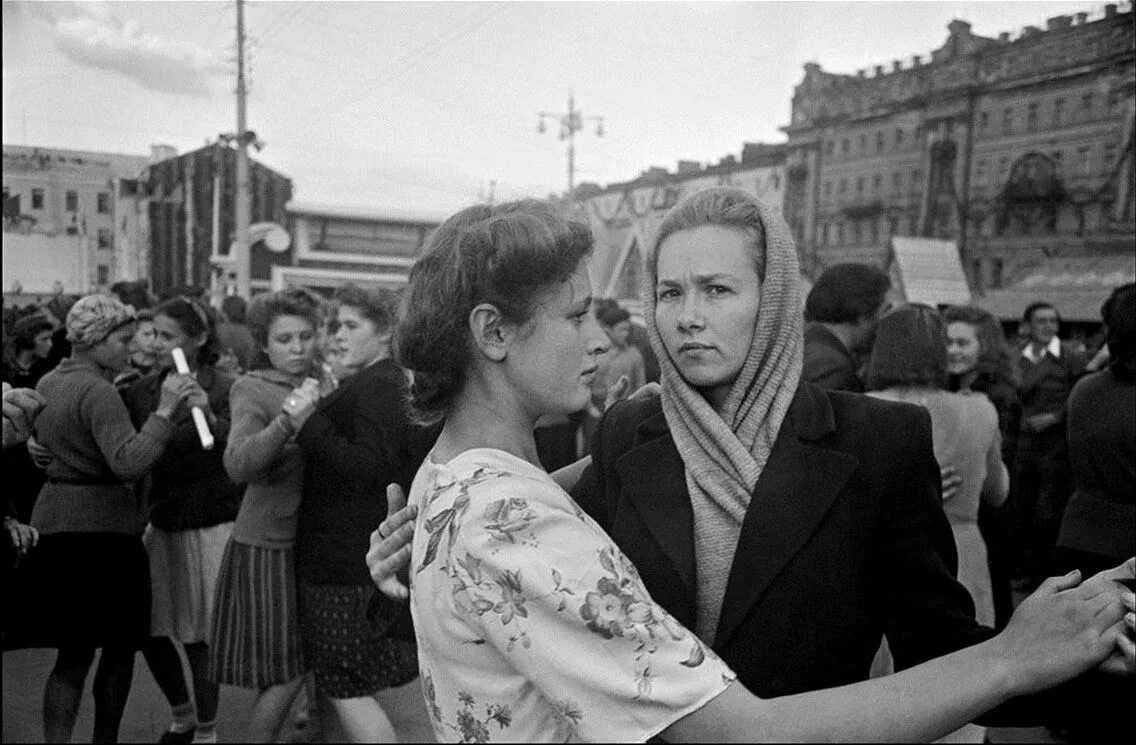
(199, 421)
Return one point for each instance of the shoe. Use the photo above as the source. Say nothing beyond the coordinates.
(169, 737)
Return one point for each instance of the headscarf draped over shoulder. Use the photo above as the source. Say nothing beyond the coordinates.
(95, 317)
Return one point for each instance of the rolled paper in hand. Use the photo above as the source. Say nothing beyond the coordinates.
(203, 432)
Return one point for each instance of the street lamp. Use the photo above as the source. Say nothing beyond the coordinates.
(570, 123)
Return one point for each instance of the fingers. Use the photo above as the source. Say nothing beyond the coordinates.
(1127, 570)
(396, 500)
(1053, 585)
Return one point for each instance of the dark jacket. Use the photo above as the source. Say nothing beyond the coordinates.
(1101, 516)
(22, 479)
(828, 363)
(358, 441)
(1046, 385)
(188, 487)
(845, 540)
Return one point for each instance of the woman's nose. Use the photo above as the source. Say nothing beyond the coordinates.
(690, 315)
(598, 341)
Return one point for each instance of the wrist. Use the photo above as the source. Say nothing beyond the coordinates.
(285, 422)
(1008, 676)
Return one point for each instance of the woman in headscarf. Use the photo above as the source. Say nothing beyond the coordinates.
(88, 580)
(532, 624)
(748, 498)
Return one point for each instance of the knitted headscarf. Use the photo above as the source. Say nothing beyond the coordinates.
(725, 454)
(93, 318)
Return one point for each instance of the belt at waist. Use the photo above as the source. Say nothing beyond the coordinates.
(86, 481)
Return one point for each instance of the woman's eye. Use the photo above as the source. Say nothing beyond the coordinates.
(667, 294)
(718, 289)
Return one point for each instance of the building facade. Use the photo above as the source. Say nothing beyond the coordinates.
(625, 215)
(189, 203)
(71, 198)
(1020, 150)
(333, 245)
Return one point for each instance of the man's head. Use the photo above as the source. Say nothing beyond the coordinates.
(617, 323)
(852, 295)
(1042, 322)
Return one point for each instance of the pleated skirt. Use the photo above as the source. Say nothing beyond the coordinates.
(255, 639)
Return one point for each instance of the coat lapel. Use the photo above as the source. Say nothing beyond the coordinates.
(653, 479)
(796, 489)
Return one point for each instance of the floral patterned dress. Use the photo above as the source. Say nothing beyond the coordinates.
(532, 626)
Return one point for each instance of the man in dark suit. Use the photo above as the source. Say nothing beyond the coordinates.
(842, 310)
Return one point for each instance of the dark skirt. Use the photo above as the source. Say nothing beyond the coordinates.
(81, 590)
(255, 640)
(345, 642)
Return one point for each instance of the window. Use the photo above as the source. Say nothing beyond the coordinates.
(944, 222)
(1114, 102)
(1109, 155)
(863, 144)
(980, 170)
(824, 234)
(983, 121)
(840, 232)
(843, 185)
(879, 142)
(893, 226)
(997, 268)
(829, 147)
(1056, 155)
(1008, 121)
(1058, 112)
(877, 182)
(103, 202)
(1003, 166)
(860, 186)
(1084, 161)
(1087, 103)
(1031, 117)
(106, 238)
(856, 233)
(845, 145)
(37, 199)
(899, 136)
(776, 181)
(896, 181)
(103, 274)
(72, 201)
(875, 231)
(912, 228)
(828, 187)
(916, 178)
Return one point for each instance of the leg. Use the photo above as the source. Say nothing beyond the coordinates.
(271, 709)
(63, 692)
(362, 720)
(163, 660)
(205, 691)
(112, 688)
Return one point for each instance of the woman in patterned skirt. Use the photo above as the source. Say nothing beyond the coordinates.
(255, 637)
(356, 441)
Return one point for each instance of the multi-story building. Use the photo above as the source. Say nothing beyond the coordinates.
(332, 245)
(625, 215)
(189, 205)
(64, 219)
(1020, 150)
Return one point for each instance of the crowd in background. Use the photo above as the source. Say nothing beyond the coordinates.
(126, 535)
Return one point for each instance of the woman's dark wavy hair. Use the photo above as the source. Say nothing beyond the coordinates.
(910, 349)
(378, 305)
(267, 307)
(509, 255)
(1119, 314)
(194, 320)
(995, 359)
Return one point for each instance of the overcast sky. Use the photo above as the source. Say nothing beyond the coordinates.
(420, 105)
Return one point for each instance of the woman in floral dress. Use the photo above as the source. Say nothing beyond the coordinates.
(531, 624)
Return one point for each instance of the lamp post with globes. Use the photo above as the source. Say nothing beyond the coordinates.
(570, 123)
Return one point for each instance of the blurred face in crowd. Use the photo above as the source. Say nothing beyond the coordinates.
(619, 333)
(963, 348)
(169, 334)
(708, 294)
(1043, 326)
(864, 332)
(291, 344)
(42, 344)
(358, 339)
(113, 352)
(142, 352)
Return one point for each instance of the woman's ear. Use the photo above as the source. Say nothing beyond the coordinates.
(492, 334)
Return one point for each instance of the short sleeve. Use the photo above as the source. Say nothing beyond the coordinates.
(545, 586)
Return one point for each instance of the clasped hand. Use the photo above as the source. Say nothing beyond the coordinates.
(301, 403)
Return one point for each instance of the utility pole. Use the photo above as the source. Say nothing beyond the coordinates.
(570, 123)
(241, 247)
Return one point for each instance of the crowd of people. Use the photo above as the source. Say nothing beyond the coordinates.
(749, 547)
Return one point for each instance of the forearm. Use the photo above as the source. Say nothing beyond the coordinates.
(135, 456)
(919, 704)
(249, 457)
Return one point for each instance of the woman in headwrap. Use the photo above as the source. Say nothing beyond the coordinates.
(88, 581)
(751, 501)
(532, 624)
